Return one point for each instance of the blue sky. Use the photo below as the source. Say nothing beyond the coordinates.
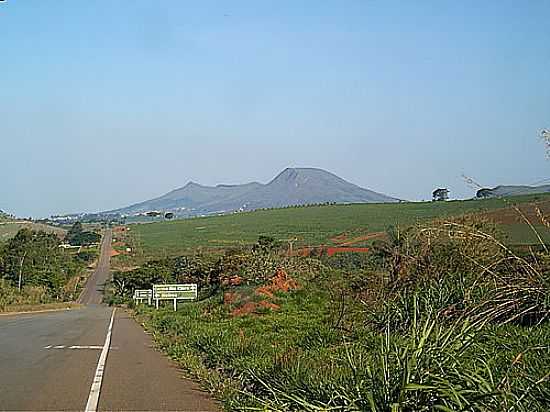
(105, 103)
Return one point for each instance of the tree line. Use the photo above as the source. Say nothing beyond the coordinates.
(34, 259)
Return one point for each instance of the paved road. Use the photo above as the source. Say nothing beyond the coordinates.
(49, 361)
(92, 294)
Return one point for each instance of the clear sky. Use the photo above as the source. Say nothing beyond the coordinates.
(106, 103)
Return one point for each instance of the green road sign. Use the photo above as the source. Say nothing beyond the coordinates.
(143, 294)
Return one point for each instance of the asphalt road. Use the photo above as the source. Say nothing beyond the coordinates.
(92, 293)
(49, 361)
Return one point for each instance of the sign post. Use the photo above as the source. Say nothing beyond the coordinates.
(143, 294)
(174, 292)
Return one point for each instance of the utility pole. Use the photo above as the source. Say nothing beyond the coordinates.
(290, 245)
(21, 261)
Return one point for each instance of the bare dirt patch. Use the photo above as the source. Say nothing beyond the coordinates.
(280, 282)
(367, 237)
(510, 215)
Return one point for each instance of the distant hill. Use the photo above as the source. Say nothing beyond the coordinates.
(505, 191)
(293, 186)
(10, 227)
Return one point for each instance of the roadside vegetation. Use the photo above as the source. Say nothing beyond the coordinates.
(443, 314)
(35, 270)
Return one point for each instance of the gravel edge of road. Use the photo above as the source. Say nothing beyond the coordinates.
(65, 306)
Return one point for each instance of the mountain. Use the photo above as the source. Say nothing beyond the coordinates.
(502, 191)
(293, 186)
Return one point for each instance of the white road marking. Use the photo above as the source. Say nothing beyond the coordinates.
(93, 398)
(95, 347)
(85, 347)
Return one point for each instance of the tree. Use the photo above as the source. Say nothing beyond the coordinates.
(75, 229)
(34, 258)
(265, 244)
(484, 193)
(545, 136)
(77, 236)
(440, 195)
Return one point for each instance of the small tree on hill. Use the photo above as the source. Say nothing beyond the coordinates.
(545, 136)
(441, 194)
(484, 193)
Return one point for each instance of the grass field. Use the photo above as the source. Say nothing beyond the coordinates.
(10, 229)
(310, 225)
(522, 234)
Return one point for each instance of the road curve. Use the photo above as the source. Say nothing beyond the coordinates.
(48, 361)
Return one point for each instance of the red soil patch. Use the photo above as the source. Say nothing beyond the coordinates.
(119, 229)
(281, 282)
(246, 309)
(268, 305)
(305, 252)
(114, 253)
(252, 308)
(233, 281)
(265, 291)
(340, 238)
(229, 297)
(331, 251)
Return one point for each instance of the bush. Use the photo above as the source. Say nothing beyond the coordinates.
(457, 267)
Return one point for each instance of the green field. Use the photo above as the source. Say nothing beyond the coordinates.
(310, 225)
(522, 234)
(10, 229)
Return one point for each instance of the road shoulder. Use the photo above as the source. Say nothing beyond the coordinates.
(35, 309)
(138, 377)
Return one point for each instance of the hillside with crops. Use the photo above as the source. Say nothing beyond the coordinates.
(330, 225)
(445, 307)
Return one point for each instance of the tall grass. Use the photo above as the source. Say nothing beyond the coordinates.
(443, 317)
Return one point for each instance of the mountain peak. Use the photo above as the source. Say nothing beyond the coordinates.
(293, 186)
(306, 174)
(191, 184)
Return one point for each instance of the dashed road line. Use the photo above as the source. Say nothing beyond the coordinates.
(85, 347)
(74, 347)
(93, 398)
